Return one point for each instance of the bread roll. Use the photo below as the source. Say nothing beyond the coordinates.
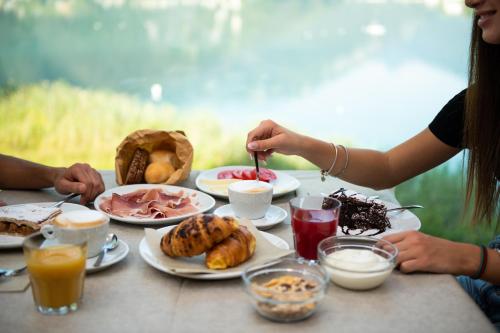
(197, 234)
(232, 251)
(164, 156)
(157, 173)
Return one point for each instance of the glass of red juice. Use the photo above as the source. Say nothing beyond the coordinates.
(311, 223)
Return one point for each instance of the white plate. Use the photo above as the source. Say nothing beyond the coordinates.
(283, 184)
(13, 242)
(400, 220)
(147, 255)
(199, 199)
(111, 258)
(274, 215)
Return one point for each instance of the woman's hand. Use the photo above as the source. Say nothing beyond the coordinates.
(424, 253)
(79, 178)
(270, 137)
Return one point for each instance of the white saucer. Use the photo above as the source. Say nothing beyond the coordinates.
(111, 258)
(274, 215)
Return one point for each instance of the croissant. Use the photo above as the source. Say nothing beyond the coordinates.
(232, 251)
(197, 234)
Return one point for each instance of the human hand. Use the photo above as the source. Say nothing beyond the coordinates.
(79, 178)
(424, 253)
(270, 137)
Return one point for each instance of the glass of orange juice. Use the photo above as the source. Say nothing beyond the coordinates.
(56, 272)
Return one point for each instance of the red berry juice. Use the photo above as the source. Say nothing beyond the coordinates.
(309, 228)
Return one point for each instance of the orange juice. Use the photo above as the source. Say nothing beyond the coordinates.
(57, 274)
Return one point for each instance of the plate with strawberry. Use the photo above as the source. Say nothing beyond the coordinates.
(216, 181)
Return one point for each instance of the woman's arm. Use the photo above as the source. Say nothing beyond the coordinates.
(366, 167)
(420, 252)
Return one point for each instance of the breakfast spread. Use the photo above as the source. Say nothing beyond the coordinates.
(290, 297)
(218, 185)
(154, 157)
(225, 242)
(23, 220)
(357, 269)
(148, 203)
(265, 175)
(80, 219)
(154, 168)
(162, 164)
(232, 251)
(84, 225)
(197, 234)
(358, 215)
(137, 167)
(250, 199)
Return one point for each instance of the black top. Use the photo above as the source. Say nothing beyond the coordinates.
(448, 125)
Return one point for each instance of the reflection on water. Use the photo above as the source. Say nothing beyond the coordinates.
(373, 72)
(373, 105)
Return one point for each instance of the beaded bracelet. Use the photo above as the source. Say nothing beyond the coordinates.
(325, 173)
(484, 262)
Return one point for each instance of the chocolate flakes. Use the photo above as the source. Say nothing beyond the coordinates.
(359, 215)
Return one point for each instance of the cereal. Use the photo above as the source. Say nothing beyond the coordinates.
(294, 297)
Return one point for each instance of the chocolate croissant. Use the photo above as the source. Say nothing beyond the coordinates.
(232, 251)
(197, 234)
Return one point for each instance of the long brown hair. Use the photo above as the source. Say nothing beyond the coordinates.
(482, 128)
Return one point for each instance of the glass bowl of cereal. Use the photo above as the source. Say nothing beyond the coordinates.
(286, 290)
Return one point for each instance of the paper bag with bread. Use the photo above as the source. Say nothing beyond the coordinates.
(155, 157)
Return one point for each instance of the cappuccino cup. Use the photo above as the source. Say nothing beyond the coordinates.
(250, 198)
(80, 225)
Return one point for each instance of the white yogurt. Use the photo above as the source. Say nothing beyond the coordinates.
(357, 269)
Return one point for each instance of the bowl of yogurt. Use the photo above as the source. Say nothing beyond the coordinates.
(357, 262)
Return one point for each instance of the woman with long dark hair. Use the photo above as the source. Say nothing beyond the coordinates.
(471, 122)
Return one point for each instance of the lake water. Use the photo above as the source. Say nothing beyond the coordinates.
(369, 73)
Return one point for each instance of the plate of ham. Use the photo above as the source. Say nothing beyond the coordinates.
(216, 181)
(152, 204)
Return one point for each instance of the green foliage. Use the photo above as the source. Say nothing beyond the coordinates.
(59, 124)
(442, 192)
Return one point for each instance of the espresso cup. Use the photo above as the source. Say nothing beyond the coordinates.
(79, 225)
(250, 198)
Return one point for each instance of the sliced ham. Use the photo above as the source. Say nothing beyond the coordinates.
(151, 203)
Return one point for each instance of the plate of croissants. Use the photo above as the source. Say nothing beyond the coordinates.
(209, 247)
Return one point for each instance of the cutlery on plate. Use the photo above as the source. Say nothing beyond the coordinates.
(59, 203)
(405, 207)
(110, 245)
(11, 272)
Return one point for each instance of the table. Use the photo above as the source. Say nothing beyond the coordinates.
(131, 296)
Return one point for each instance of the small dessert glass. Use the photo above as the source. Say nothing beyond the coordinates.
(275, 296)
(369, 262)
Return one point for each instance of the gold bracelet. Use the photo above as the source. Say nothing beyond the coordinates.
(324, 173)
(346, 162)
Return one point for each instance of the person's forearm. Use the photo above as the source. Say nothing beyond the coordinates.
(366, 167)
(466, 259)
(376, 169)
(16, 173)
(492, 271)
